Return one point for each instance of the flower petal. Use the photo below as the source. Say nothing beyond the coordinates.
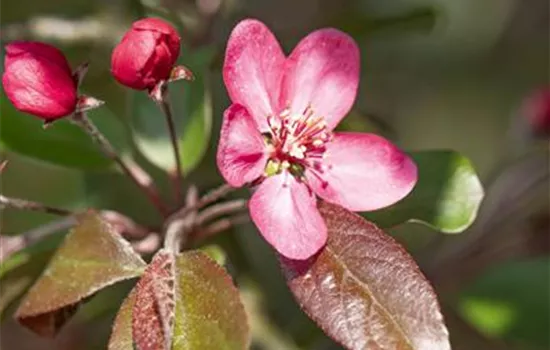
(38, 50)
(171, 37)
(322, 72)
(39, 81)
(285, 212)
(363, 172)
(130, 57)
(241, 154)
(253, 68)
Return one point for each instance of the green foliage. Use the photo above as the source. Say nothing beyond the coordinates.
(511, 301)
(192, 111)
(447, 196)
(209, 313)
(61, 143)
(121, 336)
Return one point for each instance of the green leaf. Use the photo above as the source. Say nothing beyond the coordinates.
(447, 196)
(92, 256)
(183, 303)
(209, 312)
(192, 110)
(121, 336)
(364, 290)
(510, 302)
(61, 143)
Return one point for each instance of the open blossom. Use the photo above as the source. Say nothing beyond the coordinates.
(146, 54)
(38, 80)
(278, 133)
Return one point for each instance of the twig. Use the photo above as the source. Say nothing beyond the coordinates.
(218, 210)
(12, 244)
(208, 198)
(163, 102)
(32, 206)
(125, 225)
(177, 227)
(122, 224)
(136, 174)
(217, 227)
(147, 245)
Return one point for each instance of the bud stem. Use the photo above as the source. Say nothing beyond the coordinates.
(32, 206)
(180, 224)
(143, 181)
(164, 104)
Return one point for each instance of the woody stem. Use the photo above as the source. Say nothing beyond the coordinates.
(142, 180)
(32, 206)
(164, 104)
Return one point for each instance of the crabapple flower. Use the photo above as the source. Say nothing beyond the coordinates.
(37, 80)
(278, 133)
(146, 54)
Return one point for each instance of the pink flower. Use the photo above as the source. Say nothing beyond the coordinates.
(278, 133)
(37, 79)
(146, 54)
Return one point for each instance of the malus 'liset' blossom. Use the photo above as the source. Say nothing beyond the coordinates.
(278, 133)
(37, 79)
(146, 54)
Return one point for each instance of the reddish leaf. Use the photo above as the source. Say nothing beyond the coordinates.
(92, 256)
(199, 308)
(365, 291)
(153, 311)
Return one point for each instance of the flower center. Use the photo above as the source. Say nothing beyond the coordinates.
(296, 141)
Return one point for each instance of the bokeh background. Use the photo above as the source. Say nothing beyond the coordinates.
(436, 74)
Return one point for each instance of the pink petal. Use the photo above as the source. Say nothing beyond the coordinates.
(241, 154)
(364, 172)
(171, 37)
(131, 56)
(322, 72)
(285, 212)
(253, 68)
(38, 50)
(38, 85)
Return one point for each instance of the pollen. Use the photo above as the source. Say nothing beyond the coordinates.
(296, 141)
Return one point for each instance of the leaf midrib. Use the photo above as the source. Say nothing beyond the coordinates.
(385, 312)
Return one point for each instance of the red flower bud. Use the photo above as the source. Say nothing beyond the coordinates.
(37, 79)
(537, 111)
(146, 54)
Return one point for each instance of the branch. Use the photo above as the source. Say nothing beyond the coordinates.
(208, 198)
(128, 228)
(221, 209)
(135, 173)
(217, 227)
(16, 203)
(164, 104)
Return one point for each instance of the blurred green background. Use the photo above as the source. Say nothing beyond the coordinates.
(436, 74)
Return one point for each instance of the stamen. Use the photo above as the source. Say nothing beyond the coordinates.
(296, 141)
